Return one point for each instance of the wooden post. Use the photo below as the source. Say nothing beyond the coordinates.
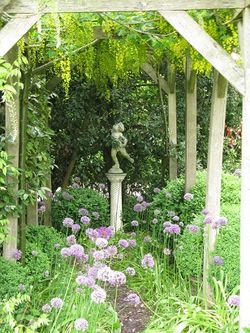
(245, 184)
(47, 214)
(32, 214)
(190, 125)
(214, 169)
(172, 127)
(12, 115)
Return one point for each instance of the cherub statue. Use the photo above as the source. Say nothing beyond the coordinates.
(119, 143)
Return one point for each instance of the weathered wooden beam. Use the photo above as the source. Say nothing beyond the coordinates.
(245, 183)
(151, 72)
(15, 29)
(207, 47)
(12, 129)
(214, 171)
(32, 214)
(31, 7)
(190, 126)
(172, 122)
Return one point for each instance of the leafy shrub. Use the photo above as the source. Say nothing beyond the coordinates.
(37, 262)
(67, 204)
(12, 274)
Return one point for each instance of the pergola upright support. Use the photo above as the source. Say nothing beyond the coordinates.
(12, 130)
(190, 126)
(214, 169)
(245, 183)
(172, 125)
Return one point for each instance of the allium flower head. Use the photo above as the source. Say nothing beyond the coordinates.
(208, 219)
(98, 295)
(17, 254)
(98, 255)
(221, 221)
(85, 281)
(147, 239)
(130, 271)
(140, 198)
(192, 228)
(234, 300)
(133, 299)
(101, 242)
(46, 274)
(154, 221)
(176, 218)
(123, 243)
(218, 261)
(75, 185)
(188, 196)
(76, 251)
(168, 195)
(57, 246)
(105, 232)
(96, 215)
(138, 208)
(117, 279)
(65, 252)
(167, 252)
(81, 324)
(46, 308)
(134, 223)
(148, 261)
(67, 196)
(71, 240)
(132, 242)
(166, 224)
(34, 253)
(75, 228)
(68, 222)
(21, 287)
(237, 172)
(157, 212)
(112, 250)
(205, 211)
(83, 212)
(157, 190)
(85, 219)
(171, 213)
(56, 302)
(173, 229)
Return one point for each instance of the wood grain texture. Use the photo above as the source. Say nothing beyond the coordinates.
(15, 29)
(151, 72)
(29, 6)
(207, 47)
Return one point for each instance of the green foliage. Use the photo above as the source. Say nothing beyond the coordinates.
(12, 274)
(68, 203)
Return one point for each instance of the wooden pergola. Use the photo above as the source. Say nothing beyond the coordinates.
(26, 13)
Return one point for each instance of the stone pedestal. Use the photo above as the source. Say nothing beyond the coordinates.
(116, 179)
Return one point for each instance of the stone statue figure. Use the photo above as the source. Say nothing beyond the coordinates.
(119, 143)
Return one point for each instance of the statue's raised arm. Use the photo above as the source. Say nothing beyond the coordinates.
(119, 143)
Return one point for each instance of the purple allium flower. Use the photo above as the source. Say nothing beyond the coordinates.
(65, 252)
(83, 212)
(208, 220)
(91, 233)
(21, 287)
(46, 274)
(173, 229)
(130, 271)
(17, 254)
(81, 324)
(105, 232)
(57, 246)
(101, 186)
(140, 198)
(148, 261)
(181, 224)
(133, 299)
(92, 271)
(85, 280)
(171, 213)
(75, 228)
(132, 242)
(71, 240)
(96, 215)
(157, 190)
(67, 196)
(145, 204)
(117, 279)
(101, 243)
(104, 273)
(147, 239)
(76, 250)
(98, 255)
(166, 224)
(188, 196)
(237, 172)
(85, 219)
(120, 256)
(218, 261)
(168, 195)
(68, 222)
(133, 234)
(154, 221)
(56, 302)
(134, 223)
(112, 250)
(75, 185)
(77, 180)
(98, 295)
(123, 243)
(34, 253)
(167, 251)
(157, 212)
(221, 221)
(46, 308)
(192, 228)
(176, 218)
(205, 211)
(138, 208)
(234, 300)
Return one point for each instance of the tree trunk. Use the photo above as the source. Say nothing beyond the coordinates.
(47, 215)
(214, 171)
(69, 170)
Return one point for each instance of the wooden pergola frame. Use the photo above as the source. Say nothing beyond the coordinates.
(28, 12)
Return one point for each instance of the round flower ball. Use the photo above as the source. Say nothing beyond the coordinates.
(81, 324)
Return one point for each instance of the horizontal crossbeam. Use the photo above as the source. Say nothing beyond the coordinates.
(31, 7)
